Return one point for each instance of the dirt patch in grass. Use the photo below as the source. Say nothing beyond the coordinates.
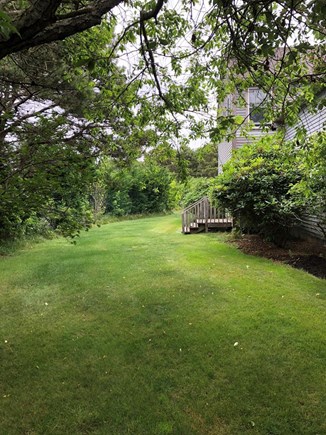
(300, 254)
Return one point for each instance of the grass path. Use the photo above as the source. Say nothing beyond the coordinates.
(133, 331)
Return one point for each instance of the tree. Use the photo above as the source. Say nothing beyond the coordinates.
(56, 120)
(189, 58)
(142, 187)
(43, 21)
(207, 158)
(206, 39)
(45, 179)
(194, 189)
(186, 162)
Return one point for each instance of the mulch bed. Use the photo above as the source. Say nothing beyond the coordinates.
(300, 254)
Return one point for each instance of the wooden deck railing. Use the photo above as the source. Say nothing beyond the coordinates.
(202, 213)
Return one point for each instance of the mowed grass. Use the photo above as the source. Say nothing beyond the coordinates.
(139, 329)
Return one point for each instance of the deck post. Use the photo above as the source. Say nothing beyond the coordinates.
(206, 205)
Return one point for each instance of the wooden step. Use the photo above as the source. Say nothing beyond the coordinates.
(226, 220)
(193, 225)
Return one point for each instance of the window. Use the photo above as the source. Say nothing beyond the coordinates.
(256, 105)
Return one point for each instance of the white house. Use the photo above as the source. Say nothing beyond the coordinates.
(246, 105)
(310, 226)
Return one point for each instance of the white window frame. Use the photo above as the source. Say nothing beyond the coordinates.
(250, 105)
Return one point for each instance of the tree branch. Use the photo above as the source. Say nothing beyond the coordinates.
(39, 24)
(144, 16)
(28, 115)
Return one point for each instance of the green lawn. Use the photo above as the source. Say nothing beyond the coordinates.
(139, 329)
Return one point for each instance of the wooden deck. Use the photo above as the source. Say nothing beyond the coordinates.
(202, 216)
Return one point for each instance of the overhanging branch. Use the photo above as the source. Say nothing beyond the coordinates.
(40, 24)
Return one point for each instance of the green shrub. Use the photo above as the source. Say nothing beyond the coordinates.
(257, 186)
(141, 188)
(312, 186)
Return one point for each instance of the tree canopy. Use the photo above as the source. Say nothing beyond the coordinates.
(54, 126)
(188, 57)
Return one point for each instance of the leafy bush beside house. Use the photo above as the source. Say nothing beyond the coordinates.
(260, 187)
(312, 186)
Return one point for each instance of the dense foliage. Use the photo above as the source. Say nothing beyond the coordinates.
(58, 115)
(185, 161)
(312, 187)
(269, 184)
(194, 189)
(137, 189)
(46, 181)
(191, 55)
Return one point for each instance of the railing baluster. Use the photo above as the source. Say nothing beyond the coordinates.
(203, 213)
